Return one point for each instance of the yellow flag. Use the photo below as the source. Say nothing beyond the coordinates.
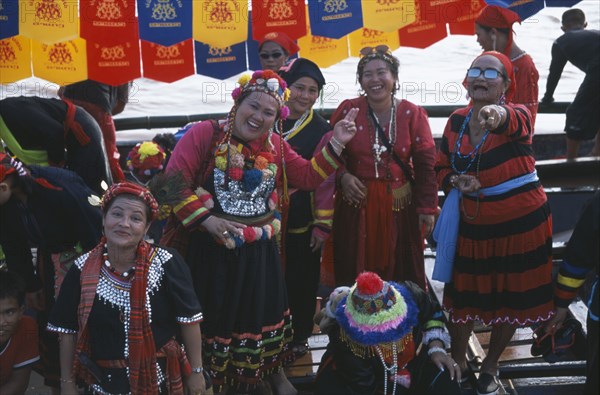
(15, 59)
(371, 38)
(62, 63)
(220, 23)
(323, 51)
(388, 16)
(49, 21)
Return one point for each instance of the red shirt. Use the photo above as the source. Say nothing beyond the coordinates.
(21, 349)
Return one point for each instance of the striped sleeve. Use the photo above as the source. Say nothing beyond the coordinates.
(307, 175)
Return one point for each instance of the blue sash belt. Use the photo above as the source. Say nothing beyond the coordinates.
(446, 229)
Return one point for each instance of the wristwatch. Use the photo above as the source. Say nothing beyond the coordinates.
(198, 369)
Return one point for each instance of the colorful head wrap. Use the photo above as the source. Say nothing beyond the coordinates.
(266, 81)
(509, 73)
(376, 313)
(500, 18)
(146, 158)
(281, 39)
(129, 188)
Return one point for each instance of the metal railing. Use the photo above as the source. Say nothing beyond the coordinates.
(176, 121)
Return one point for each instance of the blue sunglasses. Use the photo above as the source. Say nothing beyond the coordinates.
(489, 74)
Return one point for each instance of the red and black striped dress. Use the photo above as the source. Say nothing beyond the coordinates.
(503, 265)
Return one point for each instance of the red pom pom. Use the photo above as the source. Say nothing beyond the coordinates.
(235, 173)
(267, 155)
(369, 283)
(249, 234)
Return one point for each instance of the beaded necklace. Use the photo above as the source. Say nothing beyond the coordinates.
(473, 155)
(125, 274)
(391, 370)
(299, 123)
(379, 149)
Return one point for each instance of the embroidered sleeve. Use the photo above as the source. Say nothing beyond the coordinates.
(189, 158)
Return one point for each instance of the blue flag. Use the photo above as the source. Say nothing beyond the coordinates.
(334, 19)
(165, 22)
(9, 18)
(220, 63)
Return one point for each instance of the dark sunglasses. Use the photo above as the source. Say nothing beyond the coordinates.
(380, 49)
(489, 74)
(274, 55)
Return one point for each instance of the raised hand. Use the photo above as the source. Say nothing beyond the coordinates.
(345, 129)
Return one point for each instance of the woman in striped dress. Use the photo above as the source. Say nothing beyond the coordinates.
(496, 227)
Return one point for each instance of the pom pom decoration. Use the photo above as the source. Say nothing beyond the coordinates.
(237, 160)
(205, 197)
(252, 179)
(273, 84)
(266, 174)
(236, 173)
(284, 112)
(267, 155)
(244, 79)
(369, 283)
(261, 162)
(221, 163)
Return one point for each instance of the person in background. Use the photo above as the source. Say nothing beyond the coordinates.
(47, 208)
(145, 161)
(102, 101)
(494, 234)
(582, 256)
(581, 47)
(39, 131)
(307, 227)
(122, 305)
(227, 226)
(386, 192)
(493, 27)
(18, 336)
(376, 331)
(274, 50)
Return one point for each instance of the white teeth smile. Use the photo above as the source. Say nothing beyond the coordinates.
(254, 125)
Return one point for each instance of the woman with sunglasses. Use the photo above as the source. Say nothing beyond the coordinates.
(494, 234)
(387, 194)
(274, 50)
(493, 27)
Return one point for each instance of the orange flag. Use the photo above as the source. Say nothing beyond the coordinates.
(62, 63)
(114, 64)
(49, 21)
(15, 59)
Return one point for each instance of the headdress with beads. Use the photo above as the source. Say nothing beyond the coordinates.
(130, 188)
(376, 317)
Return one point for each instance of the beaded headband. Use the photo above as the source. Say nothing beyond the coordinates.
(266, 81)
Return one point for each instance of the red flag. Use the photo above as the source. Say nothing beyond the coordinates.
(108, 21)
(168, 64)
(287, 16)
(114, 64)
